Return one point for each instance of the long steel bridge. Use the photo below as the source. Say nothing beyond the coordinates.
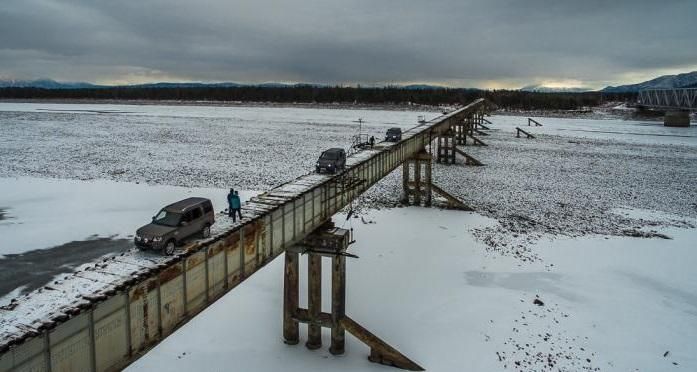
(107, 314)
(669, 99)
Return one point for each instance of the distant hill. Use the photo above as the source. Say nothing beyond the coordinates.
(663, 82)
(45, 84)
(544, 89)
(182, 85)
(52, 84)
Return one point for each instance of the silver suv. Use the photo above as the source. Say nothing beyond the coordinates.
(176, 222)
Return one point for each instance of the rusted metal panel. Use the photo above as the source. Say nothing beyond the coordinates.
(307, 213)
(6, 361)
(233, 246)
(70, 345)
(216, 271)
(299, 216)
(264, 239)
(171, 297)
(110, 333)
(317, 209)
(195, 281)
(36, 364)
(29, 356)
(288, 222)
(276, 230)
(252, 233)
(144, 314)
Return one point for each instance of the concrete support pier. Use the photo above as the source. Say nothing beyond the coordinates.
(446, 147)
(332, 242)
(677, 118)
(416, 174)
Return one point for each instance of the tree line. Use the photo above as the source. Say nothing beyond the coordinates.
(506, 99)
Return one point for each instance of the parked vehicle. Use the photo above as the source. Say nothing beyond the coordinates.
(176, 222)
(331, 161)
(393, 135)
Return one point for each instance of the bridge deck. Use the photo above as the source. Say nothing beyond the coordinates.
(121, 306)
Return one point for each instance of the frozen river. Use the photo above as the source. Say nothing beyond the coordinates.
(559, 216)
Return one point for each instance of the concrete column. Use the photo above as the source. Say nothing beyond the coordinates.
(677, 118)
(427, 183)
(460, 133)
(314, 300)
(338, 304)
(291, 286)
(405, 180)
(417, 182)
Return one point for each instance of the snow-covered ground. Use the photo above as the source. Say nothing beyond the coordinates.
(43, 213)
(430, 290)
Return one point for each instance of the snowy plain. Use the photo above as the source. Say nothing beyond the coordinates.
(43, 213)
(559, 217)
(610, 304)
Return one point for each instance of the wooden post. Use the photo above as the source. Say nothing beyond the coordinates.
(314, 301)
(417, 182)
(427, 182)
(338, 304)
(291, 286)
(405, 180)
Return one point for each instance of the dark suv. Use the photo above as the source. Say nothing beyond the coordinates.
(393, 135)
(176, 222)
(331, 161)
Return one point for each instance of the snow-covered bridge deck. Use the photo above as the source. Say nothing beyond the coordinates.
(106, 314)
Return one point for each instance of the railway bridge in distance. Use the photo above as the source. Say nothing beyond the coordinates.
(109, 314)
(677, 104)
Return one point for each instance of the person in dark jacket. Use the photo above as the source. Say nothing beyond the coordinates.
(236, 206)
(230, 196)
(372, 141)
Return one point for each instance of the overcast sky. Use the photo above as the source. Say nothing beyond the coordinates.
(482, 43)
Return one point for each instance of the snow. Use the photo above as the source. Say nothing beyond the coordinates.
(559, 218)
(460, 308)
(254, 148)
(49, 212)
(567, 181)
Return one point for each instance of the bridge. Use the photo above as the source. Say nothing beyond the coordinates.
(676, 102)
(106, 315)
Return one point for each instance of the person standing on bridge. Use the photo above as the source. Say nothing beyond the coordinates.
(235, 206)
(372, 141)
(230, 196)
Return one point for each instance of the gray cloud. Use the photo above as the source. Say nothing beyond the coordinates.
(331, 41)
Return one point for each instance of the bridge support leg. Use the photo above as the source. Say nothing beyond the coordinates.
(416, 178)
(446, 148)
(460, 135)
(332, 242)
(338, 304)
(677, 118)
(314, 300)
(291, 286)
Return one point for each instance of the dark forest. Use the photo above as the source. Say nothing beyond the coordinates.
(506, 99)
